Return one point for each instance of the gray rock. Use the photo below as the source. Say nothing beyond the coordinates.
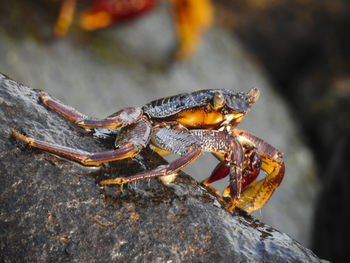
(52, 209)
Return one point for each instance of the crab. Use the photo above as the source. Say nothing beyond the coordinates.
(186, 124)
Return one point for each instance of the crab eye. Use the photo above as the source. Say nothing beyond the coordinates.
(218, 101)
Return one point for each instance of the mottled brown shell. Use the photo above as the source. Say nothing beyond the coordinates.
(168, 106)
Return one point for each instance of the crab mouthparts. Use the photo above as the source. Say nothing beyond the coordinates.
(233, 118)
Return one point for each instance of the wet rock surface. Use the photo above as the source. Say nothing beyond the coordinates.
(52, 209)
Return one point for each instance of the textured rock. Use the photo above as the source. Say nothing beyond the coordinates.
(52, 209)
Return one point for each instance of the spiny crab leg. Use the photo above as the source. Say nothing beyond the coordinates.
(117, 120)
(163, 170)
(141, 131)
(257, 194)
(227, 146)
(251, 169)
(177, 141)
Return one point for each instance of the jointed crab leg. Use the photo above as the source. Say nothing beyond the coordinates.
(257, 194)
(163, 170)
(178, 141)
(65, 17)
(117, 120)
(251, 169)
(142, 135)
(227, 146)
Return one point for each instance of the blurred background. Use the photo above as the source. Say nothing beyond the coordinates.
(102, 55)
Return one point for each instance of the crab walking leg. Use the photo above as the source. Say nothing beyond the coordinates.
(251, 169)
(140, 130)
(117, 120)
(177, 141)
(162, 170)
(224, 144)
(258, 193)
(65, 17)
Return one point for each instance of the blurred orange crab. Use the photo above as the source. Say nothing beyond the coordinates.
(192, 18)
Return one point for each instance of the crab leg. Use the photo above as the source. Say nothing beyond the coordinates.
(251, 169)
(117, 120)
(65, 17)
(257, 194)
(163, 170)
(177, 141)
(139, 132)
(227, 146)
